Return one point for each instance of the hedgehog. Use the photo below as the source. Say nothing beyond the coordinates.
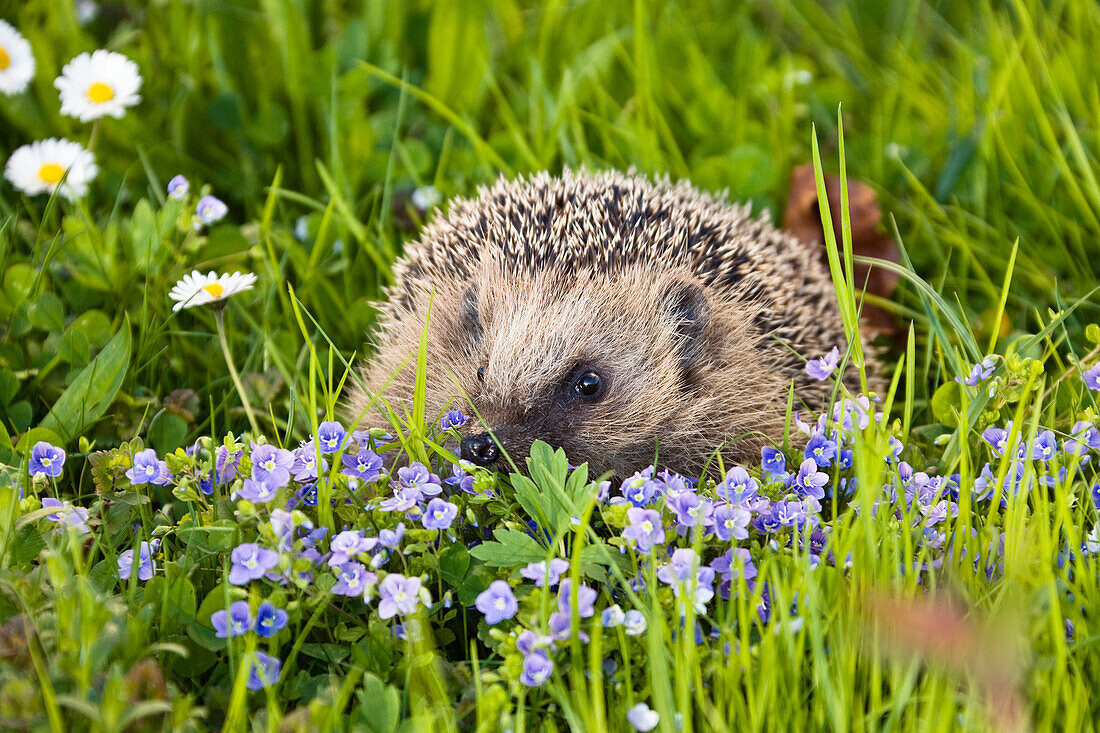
(625, 320)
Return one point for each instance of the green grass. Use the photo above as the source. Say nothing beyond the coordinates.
(976, 124)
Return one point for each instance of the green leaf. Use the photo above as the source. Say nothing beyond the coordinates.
(512, 549)
(145, 240)
(93, 390)
(379, 705)
(47, 313)
(945, 404)
(453, 564)
(167, 431)
(28, 543)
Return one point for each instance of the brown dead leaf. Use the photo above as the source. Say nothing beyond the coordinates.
(802, 218)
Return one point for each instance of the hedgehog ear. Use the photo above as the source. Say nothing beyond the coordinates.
(468, 312)
(687, 307)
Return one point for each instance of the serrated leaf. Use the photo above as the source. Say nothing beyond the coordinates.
(93, 390)
(512, 549)
(379, 705)
(453, 564)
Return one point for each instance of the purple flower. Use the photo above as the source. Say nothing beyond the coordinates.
(543, 575)
(439, 514)
(148, 470)
(731, 522)
(1044, 447)
(773, 462)
(46, 460)
(330, 436)
(997, 438)
(645, 529)
(823, 367)
(821, 450)
(225, 465)
(690, 510)
(497, 603)
(528, 641)
(789, 513)
(346, 545)
(537, 668)
(67, 515)
(586, 599)
(256, 491)
(399, 595)
(418, 481)
(236, 622)
(980, 372)
(634, 623)
(265, 671)
(269, 619)
(738, 486)
(642, 718)
(178, 188)
(681, 567)
(250, 562)
(403, 500)
(271, 465)
(461, 479)
(810, 481)
(640, 488)
(1092, 377)
(612, 616)
(354, 581)
(210, 209)
(146, 565)
(391, 538)
(366, 465)
(735, 563)
(304, 468)
(453, 420)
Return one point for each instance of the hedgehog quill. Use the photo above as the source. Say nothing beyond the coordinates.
(616, 317)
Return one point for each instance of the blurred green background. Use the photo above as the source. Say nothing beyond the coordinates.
(975, 123)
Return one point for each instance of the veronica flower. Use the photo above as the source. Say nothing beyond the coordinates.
(178, 188)
(330, 436)
(460, 478)
(67, 515)
(235, 622)
(645, 529)
(810, 481)
(271, 465)
(198, 289)
(773, 462)
(642, 718)
(821, 450)
(586, 599)
(612, 616)
(640, 488)
(738, 486)
(1092, 377)
(734, 563)
(347, 545)
(269, 619)
(823, 367)
(146, 565)
(1044, 447)
(425, 197)
(690, 510)
(537, 668)
(391, 538)
(417, 478)
(997, 438)
(209, 210)
(936, 513)
(54, 165)
(250, 562)
(98, 84)
(544, 574)
(304, 468)
(497, 603)
(354, 581)
(264, 672)
(634, 623)
(147, 469)
(225, 464)
(16, 60)
(403, 500)
(789, 513)
(257, 492)
(399, 595)
(731, 521)
(439, 514)
(453, 420)
(46, 460)
(980, 372)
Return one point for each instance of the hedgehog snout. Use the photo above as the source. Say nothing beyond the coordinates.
(480, 449)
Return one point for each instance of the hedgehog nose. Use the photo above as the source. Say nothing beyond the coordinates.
(480, 449)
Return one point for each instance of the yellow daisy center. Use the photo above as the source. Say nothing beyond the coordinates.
(215, 289)
(100, 93)
(5, 60)
(51, 173)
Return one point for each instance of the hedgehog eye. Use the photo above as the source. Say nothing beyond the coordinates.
(481, 374)
(589, 385)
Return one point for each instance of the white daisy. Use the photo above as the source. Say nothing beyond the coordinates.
(16, 60)
(98, 84)
(41, 166)
(199, 289)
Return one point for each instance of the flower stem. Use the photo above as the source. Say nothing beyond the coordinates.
(219, 319)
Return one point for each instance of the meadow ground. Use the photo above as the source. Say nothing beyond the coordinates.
(170, 558)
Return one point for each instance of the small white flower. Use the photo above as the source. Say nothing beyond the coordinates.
(98, 84)
(40, 167)
(642, 718)
(178, 188)
(86, 11)
(198, 289)
(426, 197)
(16, 60)
(210, 209)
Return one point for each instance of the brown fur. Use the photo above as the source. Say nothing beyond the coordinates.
(686, 306)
